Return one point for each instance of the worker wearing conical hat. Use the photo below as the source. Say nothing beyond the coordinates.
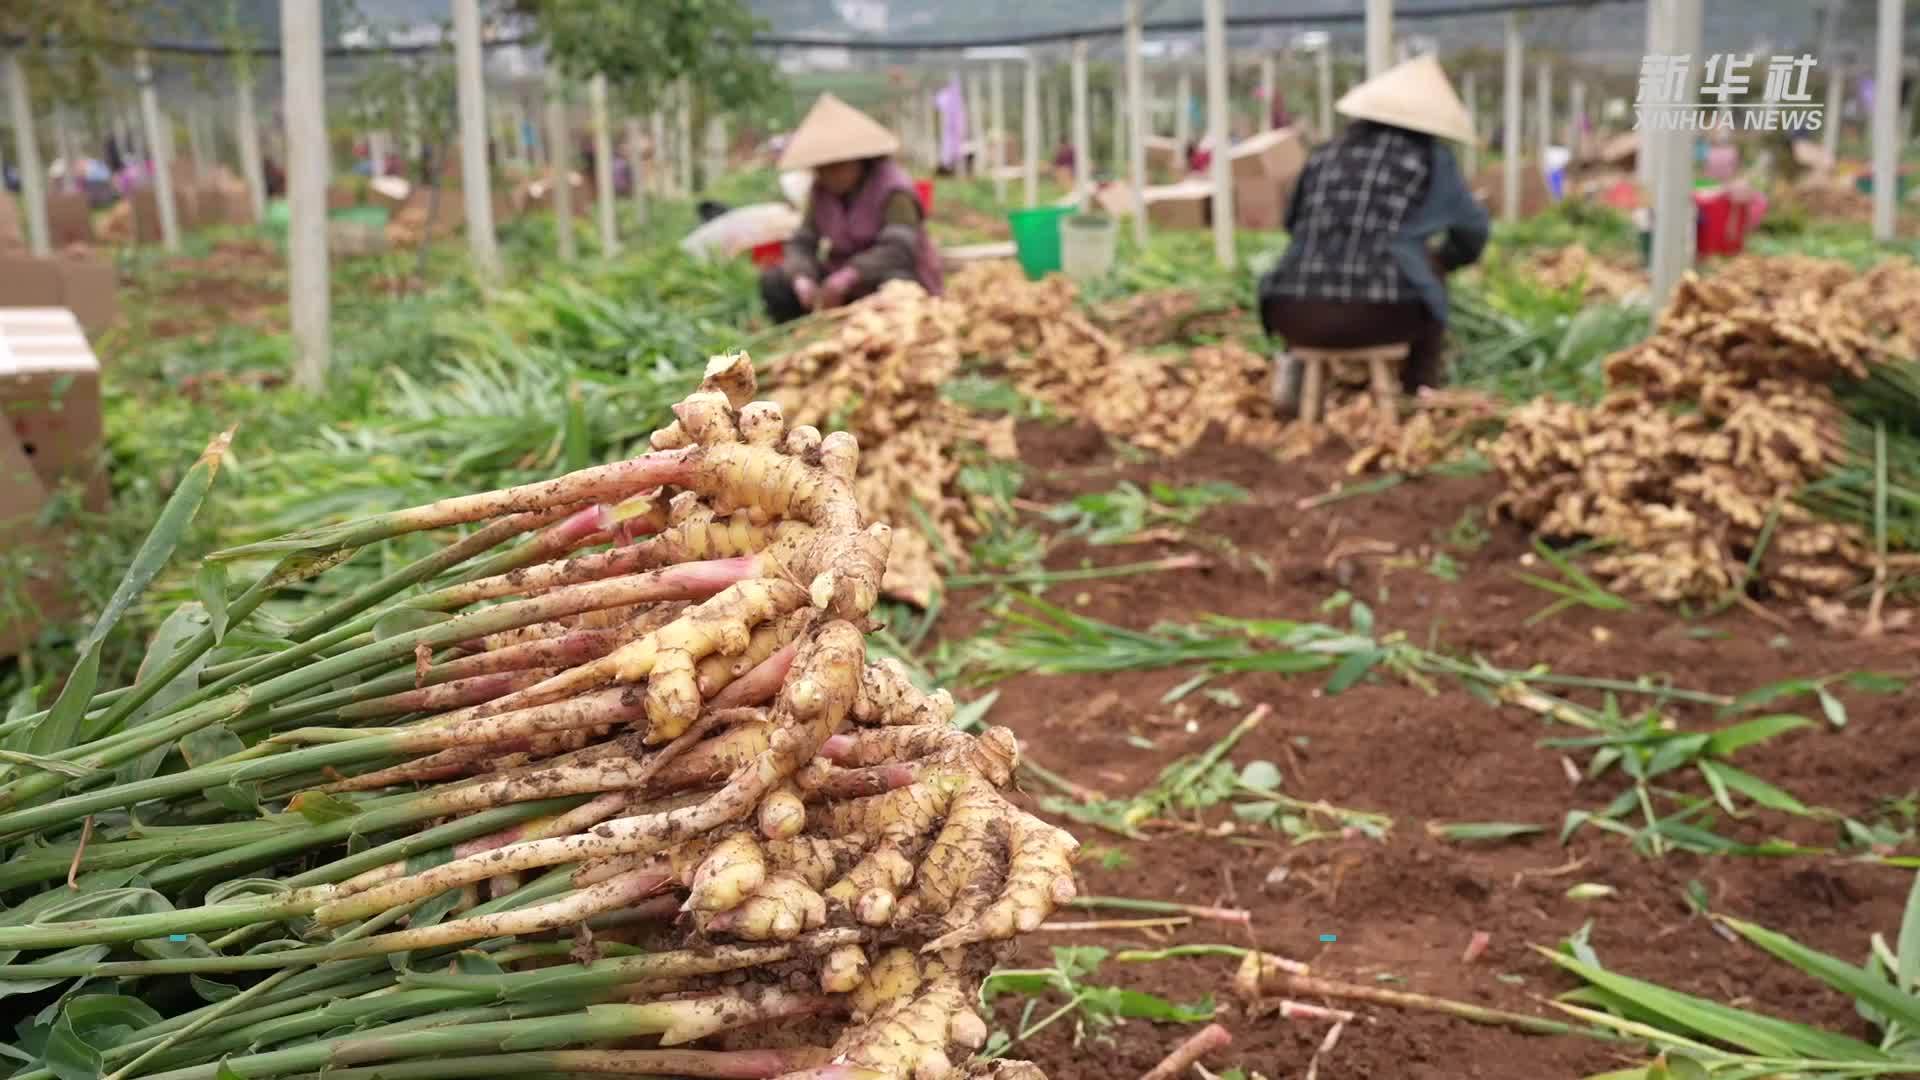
(1379, 215)
(863, 224)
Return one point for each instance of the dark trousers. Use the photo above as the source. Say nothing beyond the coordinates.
(783, 304)
(1341, 324)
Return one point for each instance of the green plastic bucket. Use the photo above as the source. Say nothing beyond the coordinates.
(278, 215)
(1036, 238)
(373, 217)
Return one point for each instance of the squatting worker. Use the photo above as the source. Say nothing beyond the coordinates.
(863, 225)
(1379, 216)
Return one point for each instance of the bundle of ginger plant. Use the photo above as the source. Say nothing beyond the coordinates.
(1694, 465)
(626, 796)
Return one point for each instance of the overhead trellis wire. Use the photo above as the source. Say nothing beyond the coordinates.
(879, 44)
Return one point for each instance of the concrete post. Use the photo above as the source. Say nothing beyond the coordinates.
(1510, 124)
(1082, 137)
(997, 130)
(1137, 122)
(1214, 19)
(1673, 213)
(1183, 109)
(247, 133)
(1379, 36)
(307, 279)
(1323, 64)
(1543, 120)
(1885, 136)
(1030, 131)
(637, 169)
(1830, 116)
(26, 147)
(160, 149)
(1266, 92)
(475, 184)
(1576, 117)
(1471, 93)
(603, 166)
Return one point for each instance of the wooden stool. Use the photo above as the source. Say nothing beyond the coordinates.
(1383, 373)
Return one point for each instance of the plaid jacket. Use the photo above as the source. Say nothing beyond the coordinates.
(1349, 207)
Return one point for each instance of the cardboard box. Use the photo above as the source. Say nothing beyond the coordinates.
(1276, 155)
(1115, 197)
(69, 218)
(1164, 156)
(1260, 206)
(1186, 205)
(50, 393)
(83, 286)
(32, 591)
(1490, 188)
(1265, 169)
(13, 226)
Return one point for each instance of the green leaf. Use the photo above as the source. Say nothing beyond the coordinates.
(1078, 961)
(55, 732)
(1186, 687)
(1681, 1067)
(1762, 695)
(1855, 982)
(320, 807)
(158, 547)
(211, 991)
(1362, 617)
(1673, 753)
(1874, 682)
(1730, 740)
(181, 625)
(1753, 787)
(46, 764)
(1698, 1017)
(1908, 947)
(235, 798)
(210, 585)
(1261, 776)
(1835, 711)
(210, 743)
(90, 1025)
(475, 962)
(1025, 983)
(1352, 669)
(1465, 831)
(1136, 1005)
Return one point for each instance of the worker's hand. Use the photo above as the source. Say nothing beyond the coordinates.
(833, 292)
(806, 291)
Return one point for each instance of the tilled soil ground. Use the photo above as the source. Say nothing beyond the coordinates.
(1402, 910)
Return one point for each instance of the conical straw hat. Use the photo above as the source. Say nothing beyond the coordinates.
(836, 131)
(1414, 95)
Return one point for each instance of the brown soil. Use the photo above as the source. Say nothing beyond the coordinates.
(1403, 909)
(240, 282)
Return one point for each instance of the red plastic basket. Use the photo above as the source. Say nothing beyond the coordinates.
(924, 188)
(1722, 223)
(768, 254)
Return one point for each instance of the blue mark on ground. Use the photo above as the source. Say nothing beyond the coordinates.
(176, 937)
(1329, 937)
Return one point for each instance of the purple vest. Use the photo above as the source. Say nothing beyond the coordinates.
(851, 225)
